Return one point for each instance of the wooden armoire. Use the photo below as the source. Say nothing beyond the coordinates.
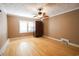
(38, 32)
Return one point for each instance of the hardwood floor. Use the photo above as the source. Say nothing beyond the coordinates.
(31, 46)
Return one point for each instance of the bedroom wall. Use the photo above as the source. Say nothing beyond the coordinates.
(13, 26)
(64, 26)
(3, 29)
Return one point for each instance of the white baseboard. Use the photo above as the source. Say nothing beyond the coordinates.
(2, 50)
(72, 44)
(51, 38)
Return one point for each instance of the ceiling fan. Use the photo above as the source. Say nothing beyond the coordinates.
(41, 15)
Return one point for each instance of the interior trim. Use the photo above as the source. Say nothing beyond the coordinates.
(2, 50)
(64, 12)
(69, 43)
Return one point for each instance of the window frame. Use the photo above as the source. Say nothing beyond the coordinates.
(27, 22)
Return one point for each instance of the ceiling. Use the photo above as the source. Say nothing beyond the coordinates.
(30, 9)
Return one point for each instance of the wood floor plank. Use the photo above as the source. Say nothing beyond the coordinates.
(32, 46)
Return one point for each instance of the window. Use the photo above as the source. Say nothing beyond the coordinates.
(30, 26)
(25, 26)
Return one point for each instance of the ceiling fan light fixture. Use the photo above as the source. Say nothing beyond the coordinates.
(40, 9)
(39, 13)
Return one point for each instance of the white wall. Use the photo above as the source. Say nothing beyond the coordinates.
(3, 28)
